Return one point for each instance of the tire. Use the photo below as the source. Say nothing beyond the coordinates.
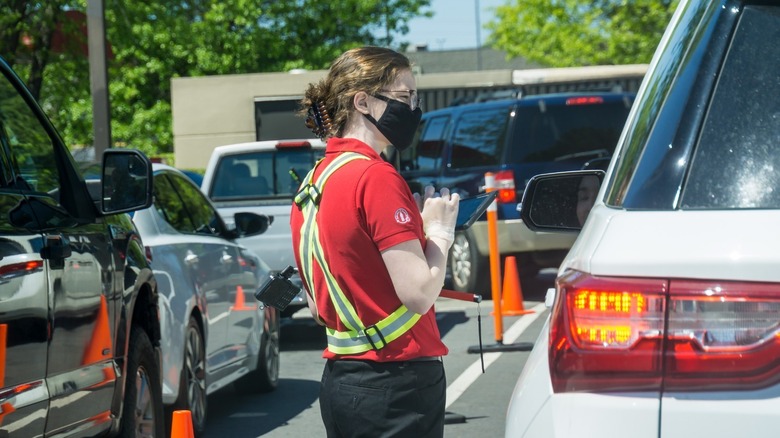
(469, 270)
(142, 408)
(265, 378)
(192, 384)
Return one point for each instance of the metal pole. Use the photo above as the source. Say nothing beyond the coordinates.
(98, 76)
(479, 34)
(495, 258)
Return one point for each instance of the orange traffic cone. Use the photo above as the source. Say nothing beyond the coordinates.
(512, 293)
(5, 409)
(99, 348)
(181, 426)
(240, 303)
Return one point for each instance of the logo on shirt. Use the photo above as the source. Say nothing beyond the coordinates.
(402, 216)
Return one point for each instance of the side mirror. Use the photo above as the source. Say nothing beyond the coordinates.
(250, 224)
(560, 201)
(126, 182)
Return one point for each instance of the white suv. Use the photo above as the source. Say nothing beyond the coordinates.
(666, 316)
(262, 177)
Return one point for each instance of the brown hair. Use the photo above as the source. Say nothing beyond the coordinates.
(328, 103)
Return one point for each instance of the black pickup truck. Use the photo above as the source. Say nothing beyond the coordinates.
(79, 325)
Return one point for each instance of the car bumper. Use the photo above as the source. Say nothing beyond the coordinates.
(535, 411)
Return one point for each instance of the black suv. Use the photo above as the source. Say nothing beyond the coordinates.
(514, 139)
(79, 325)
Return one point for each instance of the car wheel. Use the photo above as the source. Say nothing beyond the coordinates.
(192, 386)
(470, 271)
(265, 378)
(142, 410)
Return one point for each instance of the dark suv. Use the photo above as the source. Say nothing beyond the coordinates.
(79, 326)
(514, 139)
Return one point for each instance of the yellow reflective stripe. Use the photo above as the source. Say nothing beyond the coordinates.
(309, 212)
(303, 189)
(391, 328)
(343, 159)
(306, 255)
(344, 309)
(347, 313)
(310, 247)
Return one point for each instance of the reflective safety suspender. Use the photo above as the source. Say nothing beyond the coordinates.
(358, 337)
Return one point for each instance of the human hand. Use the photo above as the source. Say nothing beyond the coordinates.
(439, 213)
(418, 198)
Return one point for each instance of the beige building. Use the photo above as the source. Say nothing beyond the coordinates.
(211, 111)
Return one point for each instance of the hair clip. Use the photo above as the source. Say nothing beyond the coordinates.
(318, 120)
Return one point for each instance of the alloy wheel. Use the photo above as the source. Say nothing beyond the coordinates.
(460, 261)
(195, 372)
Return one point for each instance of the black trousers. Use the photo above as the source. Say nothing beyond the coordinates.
(371, 399)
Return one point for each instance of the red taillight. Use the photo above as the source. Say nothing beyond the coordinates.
(23, 268)
(587, 100)
(505, 184)
(723, 335)
(613, 334)
(293, 144)
(606, 334)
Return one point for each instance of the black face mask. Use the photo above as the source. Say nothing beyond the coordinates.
(398, 123)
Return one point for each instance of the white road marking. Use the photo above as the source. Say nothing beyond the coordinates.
(470, 375)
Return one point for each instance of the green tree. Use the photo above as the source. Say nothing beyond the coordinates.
(31, 36)
(152, 42)
(566, 33)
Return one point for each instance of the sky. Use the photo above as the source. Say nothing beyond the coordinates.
(454, 24)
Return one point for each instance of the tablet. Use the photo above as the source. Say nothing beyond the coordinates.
(471, 208)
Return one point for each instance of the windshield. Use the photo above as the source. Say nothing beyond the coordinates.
(265, 174)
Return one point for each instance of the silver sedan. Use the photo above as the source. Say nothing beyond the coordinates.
(213, 331)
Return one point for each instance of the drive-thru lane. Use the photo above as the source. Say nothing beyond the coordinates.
(476, 402)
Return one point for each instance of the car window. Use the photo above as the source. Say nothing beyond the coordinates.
(426, 150)
(170, 206)
(264, 174)
(567, 131)
(204, 217)
(32, 167)
(479, 138)
(736, 160)
(647, 173)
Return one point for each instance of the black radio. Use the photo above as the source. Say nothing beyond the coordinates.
(278, 291)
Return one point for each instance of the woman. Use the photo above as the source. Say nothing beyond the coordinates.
(371, 254)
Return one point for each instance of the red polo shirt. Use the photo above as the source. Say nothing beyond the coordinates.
(366, 207)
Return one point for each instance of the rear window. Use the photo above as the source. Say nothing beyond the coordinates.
(736, 163)
(564, 132)
(264, 174)
(479, 138)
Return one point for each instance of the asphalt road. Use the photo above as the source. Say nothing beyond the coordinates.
(476, 401)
